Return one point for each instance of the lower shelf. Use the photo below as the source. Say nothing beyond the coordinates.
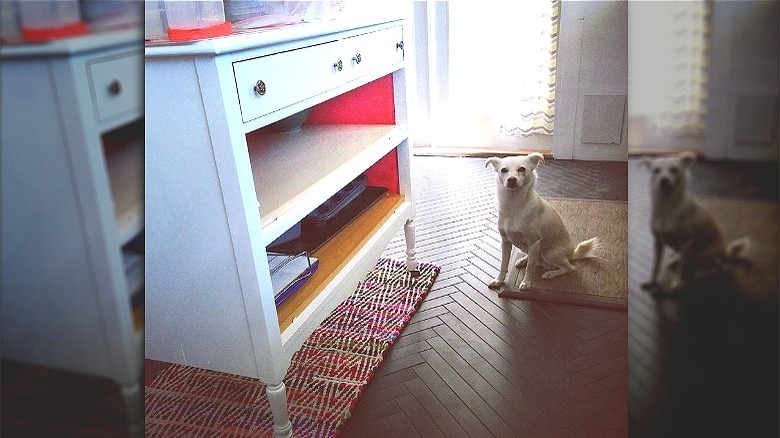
(336, 254)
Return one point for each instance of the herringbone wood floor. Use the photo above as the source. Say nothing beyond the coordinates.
(468, 364)
(700, 367)
(472, 364)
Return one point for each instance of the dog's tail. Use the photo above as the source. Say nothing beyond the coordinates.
(586, 248)
(737, 248)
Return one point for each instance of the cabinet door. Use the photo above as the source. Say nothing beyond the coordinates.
(374, 50)
(271, 82)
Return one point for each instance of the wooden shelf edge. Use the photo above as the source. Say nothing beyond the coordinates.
(328, 286)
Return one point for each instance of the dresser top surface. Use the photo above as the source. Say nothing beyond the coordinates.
(250, 39)
(75, 45)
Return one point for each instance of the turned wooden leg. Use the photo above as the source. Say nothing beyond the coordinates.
(277, 399)
(411, 261)
(134, 404)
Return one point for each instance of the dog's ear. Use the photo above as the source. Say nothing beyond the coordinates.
(688, 158)
(535, 158)
(493, 161)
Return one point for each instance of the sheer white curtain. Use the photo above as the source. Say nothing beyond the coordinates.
(502, 62)
(668, 70)
(493, 67)
(684, 102)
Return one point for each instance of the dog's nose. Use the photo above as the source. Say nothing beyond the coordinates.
(665, 183)
(511, 181)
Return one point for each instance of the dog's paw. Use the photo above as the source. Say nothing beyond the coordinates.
(549, 275)
(524, 285)
(496, 284)
(522, 262)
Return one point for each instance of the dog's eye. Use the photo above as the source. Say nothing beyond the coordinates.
(674, 171)
(656, 171)
(504, 170)
(521, 169)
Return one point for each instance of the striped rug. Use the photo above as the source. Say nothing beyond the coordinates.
(324, 380)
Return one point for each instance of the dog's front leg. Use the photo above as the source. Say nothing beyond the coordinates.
(685, 269)
(652, 283)
(506, 254)
(532, 259)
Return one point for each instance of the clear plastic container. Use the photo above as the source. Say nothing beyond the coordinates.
(44, 20)
(155, 21)
(108, 14)
(9, 21)
(191, 20)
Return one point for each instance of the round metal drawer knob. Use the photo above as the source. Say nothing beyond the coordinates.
(338, 65)
(260, 88)
(399, 45)
(114, 88)
(357, 58)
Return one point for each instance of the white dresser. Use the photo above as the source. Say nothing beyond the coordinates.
(219, 189)
(72, 197)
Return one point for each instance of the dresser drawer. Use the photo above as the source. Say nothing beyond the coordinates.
(116, 85)
(271, 82)
(374, 50)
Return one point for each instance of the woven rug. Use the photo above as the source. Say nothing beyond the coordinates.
(324, 380)
(600, 283)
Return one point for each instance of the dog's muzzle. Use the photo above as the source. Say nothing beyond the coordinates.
(665, 183)
(511, 182)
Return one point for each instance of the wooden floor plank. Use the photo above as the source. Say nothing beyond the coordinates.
(422, 423)
(434, 409)
(454, 405)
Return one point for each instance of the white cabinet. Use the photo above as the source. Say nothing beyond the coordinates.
(72, 187)
(219, 188)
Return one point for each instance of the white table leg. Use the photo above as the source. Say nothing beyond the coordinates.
(134, 404)
(277, 399)
(411, 261)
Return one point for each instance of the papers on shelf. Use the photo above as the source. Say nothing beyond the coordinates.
(289, 272)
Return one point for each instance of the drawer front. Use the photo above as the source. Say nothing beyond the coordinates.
(275, 81)
(116, 85)
(372, 51)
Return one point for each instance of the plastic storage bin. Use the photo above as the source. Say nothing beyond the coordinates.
(193, 20)
(111, 14)
(47, 20)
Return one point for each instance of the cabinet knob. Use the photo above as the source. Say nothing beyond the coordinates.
(259, 88)
(357, 58)
(114, 88)
(399, 45)
(338, 65)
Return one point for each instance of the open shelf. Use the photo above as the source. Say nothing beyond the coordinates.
(336, 253)
(124, 154)
(294, 172)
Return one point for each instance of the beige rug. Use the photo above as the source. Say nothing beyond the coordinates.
(756, 277)
(596, 283)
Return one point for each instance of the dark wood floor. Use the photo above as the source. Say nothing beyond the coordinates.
(700, 367)
(468, 364)
(472, 364)
(41, 402)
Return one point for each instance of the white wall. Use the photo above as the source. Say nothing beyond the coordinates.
(592, 61)
(742, 118)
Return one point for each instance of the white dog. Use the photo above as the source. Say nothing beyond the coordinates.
(680, 222)
(530, 223)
